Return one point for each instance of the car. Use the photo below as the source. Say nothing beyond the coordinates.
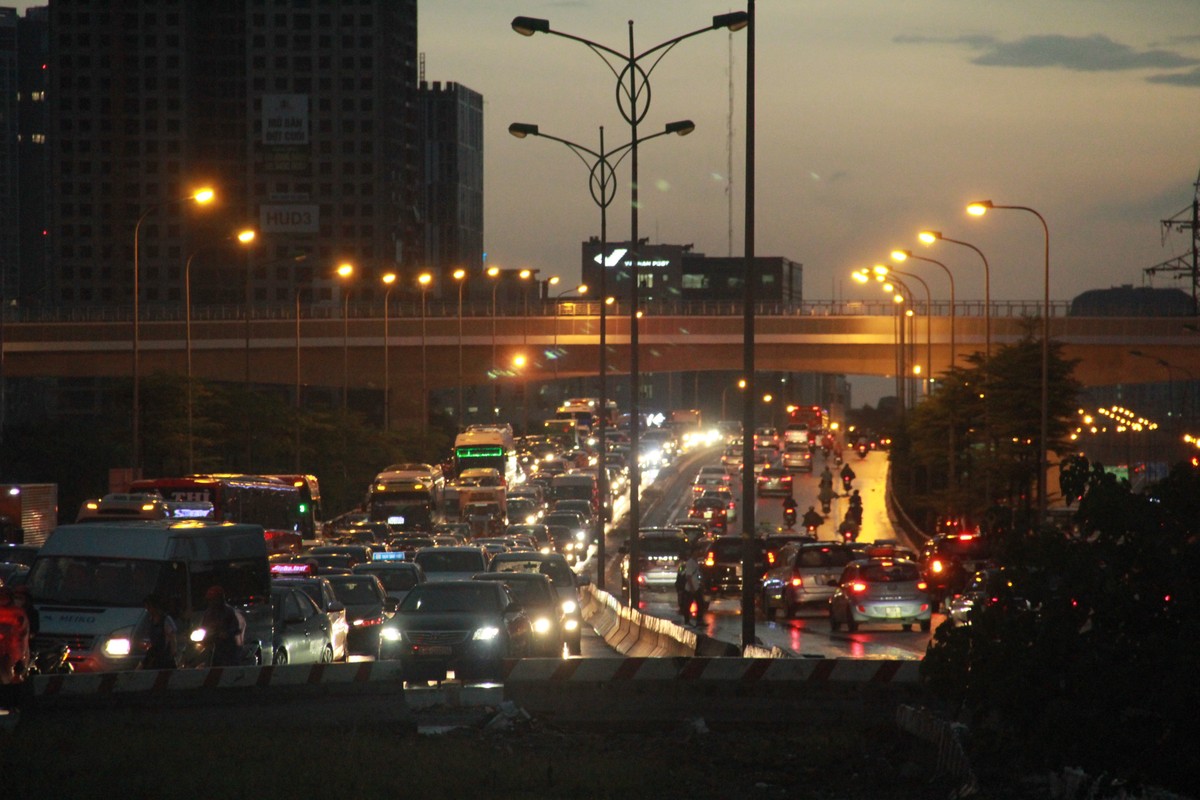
(301, 632)
(465, 626)
(367, 608)
(712, 511)
(523, 510)
(721, 565)
(327, 563)
(775, 542)
(357, 553)
(763, 457)
(451, 563)
(534, 592)
(581, 507)
(660, 552)
(320, 591)
(575, 544)
(12, 573)
(566, 586)
(774, 481)
(411, 543)
(704, 482)
(949, 560)
(804, 572)
(725, 495)
(766, 436)
(797, 457)
(459, 530)
(879, 590)
(693, 530)
(732, 459)
(989, 587)
(537, 532)
(715, 471)
(397, 577)
(18, 553)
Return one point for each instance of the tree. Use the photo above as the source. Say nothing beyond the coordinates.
(1094, 666)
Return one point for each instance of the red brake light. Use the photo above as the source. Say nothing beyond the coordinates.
(922, 586)
(709, 559)
(858, 586)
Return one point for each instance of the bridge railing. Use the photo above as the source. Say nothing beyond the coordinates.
(443, 309)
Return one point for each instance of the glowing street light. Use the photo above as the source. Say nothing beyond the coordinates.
(201, 197)
(978, 209)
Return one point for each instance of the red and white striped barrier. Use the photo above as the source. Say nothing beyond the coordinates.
(173, 680)
(725, 670)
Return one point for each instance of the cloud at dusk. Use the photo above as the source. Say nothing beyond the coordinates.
(1096, 53)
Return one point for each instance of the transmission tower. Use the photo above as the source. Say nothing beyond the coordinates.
(1187, 219)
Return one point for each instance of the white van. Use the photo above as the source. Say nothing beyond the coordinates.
(90, 580)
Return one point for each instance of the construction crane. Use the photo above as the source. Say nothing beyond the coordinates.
(1187, 219)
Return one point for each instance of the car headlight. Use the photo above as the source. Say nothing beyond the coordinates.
(569, 606)
(541, 626)
(572, 624)
(198, 635)
(581, 535)
(120, 643)
(390, 634)
(486, 633)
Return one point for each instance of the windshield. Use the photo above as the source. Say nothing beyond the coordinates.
(451, 598)
(450, 561)
(106, 582)
(556, 569)
(356, 591)
(530, 594)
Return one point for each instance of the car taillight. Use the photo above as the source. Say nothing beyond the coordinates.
(922, 586)
(367, 622)
(858, 586)
(797, 579)
(770, 558)
(936, 565)
(710, 560)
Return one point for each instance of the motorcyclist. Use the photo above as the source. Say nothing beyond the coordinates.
(789, 511)
(826, 477)
(856, 506)
(14, 639)
(812, 520)
(847, 476)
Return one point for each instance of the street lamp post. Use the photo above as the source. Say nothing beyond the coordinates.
(247, 237)
(978, 209)
(928, 371)
(929, 237)
(201, 197)
(389, 280)
(244, 237)
(741, 384)
(460, 275)
(581, 289)
(602, 185)
(633, 84)
(900, 256)
(345, 271)
(494, 274)
(424, 279)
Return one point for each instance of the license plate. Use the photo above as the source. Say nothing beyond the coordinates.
(434, 650)
(891, 611)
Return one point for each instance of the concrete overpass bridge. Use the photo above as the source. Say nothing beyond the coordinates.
(319, 347)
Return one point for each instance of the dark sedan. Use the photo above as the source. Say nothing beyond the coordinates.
(468, 627)
(537, 598)
(367, 608)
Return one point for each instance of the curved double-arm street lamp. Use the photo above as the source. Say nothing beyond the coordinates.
(632, 71)
(978, 209)
(602, 185)
(884, 272)
(201, 197)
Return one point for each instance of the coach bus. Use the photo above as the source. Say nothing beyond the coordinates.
(278, 506)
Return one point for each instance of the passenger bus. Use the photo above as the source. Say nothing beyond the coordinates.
(279, 507)
(404, 504)
(487, 446)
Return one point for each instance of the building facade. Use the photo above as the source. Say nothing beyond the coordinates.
(302, 117)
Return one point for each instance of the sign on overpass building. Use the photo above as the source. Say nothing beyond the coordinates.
(672, 272)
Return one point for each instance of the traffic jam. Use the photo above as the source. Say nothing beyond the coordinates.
(453, 568)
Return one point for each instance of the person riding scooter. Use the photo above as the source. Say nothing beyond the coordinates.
(789, 512)
(848, 477)
(812, 520)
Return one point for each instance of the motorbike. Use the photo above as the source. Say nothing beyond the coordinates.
(846, 482)
(862, 451)
(789, 517)
(53, 659)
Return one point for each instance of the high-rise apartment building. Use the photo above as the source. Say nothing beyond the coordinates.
(452, 135)
(302, 116)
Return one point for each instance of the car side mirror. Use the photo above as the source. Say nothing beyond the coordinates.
(336, 606)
